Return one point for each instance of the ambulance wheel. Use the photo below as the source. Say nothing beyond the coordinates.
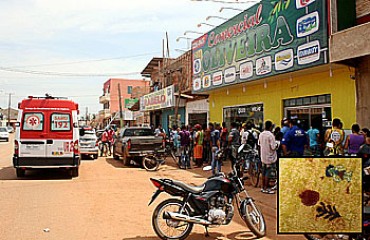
(20, 172)
(74, 172)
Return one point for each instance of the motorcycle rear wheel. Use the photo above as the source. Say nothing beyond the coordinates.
(159, 224)
(254, 219)
(150, 163)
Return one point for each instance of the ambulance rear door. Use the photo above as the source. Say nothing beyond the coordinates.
(60, 142)
(32, 134)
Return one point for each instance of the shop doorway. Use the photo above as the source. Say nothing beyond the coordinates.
(310, 116)
(309, 111)
(197, 118)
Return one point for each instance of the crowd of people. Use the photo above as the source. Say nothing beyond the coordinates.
(204, 143)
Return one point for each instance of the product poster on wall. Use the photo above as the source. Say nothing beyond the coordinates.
(271, 37)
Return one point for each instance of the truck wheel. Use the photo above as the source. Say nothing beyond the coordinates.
(126, 160)
(95, 156)
(74, 172)
(20, 172)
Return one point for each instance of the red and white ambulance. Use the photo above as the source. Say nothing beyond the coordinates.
(46, 135)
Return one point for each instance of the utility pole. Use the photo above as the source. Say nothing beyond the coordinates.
(120, 107)
(9, 104)
(87, 115)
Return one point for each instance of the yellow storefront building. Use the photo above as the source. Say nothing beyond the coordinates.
(258, 66)
(323, 92)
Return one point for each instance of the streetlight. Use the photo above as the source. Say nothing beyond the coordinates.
(181, 50)
(187, 39)
(203, 23)
(231, 8)
(9, 105)
(222, 18)
(189, 31)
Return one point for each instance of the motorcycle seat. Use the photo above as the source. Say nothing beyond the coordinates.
(192, 189)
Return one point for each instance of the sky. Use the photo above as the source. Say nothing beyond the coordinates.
(70, 48)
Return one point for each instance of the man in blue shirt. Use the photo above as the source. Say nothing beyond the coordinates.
(285, 125)
(215, 145)
(294, 141)
(314, 136)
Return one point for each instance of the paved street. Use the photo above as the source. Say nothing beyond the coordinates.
(107, 201)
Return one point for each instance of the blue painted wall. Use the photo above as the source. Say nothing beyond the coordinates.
(168, 112)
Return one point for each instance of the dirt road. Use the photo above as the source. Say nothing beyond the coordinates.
(107, 201)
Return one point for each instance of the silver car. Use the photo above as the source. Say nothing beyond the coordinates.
(4, 134)
(88, 143)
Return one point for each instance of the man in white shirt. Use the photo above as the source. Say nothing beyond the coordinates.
(268, 154)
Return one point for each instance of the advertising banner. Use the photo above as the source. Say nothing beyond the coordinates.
(270, 38)
(130, 102)
(163, 98)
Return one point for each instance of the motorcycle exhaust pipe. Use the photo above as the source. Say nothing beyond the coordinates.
(185, 218)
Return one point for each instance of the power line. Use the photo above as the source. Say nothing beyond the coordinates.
(87, 61)
(66, 74)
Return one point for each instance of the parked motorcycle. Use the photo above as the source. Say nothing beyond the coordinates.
(151, 162)
(210, 205)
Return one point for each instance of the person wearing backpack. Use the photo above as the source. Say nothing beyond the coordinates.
(334, 138)
(250, 137)
(184, 148)
(215, 146)
(234, 141)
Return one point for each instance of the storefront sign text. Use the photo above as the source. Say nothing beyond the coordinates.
(264, 40)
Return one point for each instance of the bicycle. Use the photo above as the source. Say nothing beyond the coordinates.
(170, 151)
(254, 169)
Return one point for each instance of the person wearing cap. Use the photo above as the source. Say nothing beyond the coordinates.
(285, 125)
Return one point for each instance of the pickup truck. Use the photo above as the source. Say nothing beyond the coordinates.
(133, 143)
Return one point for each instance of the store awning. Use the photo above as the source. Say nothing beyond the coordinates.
(183, 95)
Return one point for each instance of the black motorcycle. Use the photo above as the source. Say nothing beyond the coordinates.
(210, 205)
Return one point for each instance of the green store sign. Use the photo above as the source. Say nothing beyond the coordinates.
(270, 38)
(129, 102)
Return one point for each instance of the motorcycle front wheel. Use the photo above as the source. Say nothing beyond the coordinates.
(328, 237)
(253, 217)
(150, 163)
(167, 228)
